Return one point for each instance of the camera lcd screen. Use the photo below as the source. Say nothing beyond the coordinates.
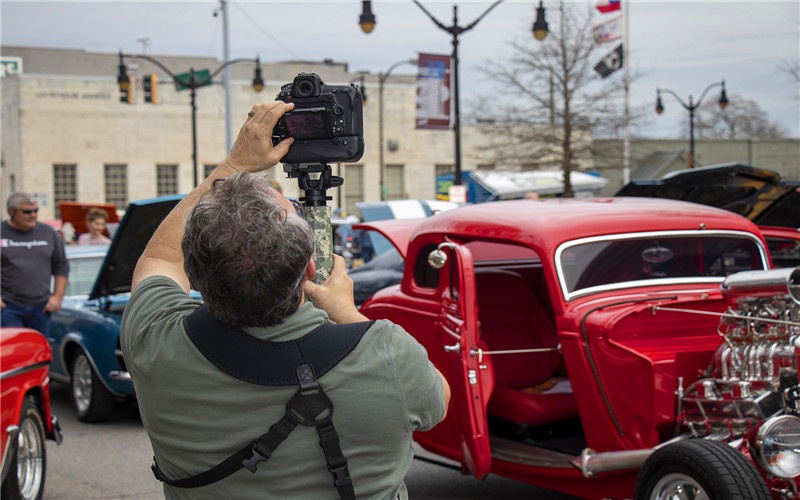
(310, 123)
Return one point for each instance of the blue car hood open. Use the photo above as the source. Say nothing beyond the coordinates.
(135, 230)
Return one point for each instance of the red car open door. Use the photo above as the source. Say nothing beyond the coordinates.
(467, 370)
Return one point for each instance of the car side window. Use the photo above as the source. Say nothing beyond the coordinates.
(424, 275)
(82, 275)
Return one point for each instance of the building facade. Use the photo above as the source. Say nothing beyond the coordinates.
(66, 135)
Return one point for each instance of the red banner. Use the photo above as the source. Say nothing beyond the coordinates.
(433, 92)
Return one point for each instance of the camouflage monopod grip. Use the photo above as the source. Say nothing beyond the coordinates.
(319, 218)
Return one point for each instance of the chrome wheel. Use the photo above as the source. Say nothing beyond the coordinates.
(91, 400)
(31, 453)
(82, 384)
(678, 487)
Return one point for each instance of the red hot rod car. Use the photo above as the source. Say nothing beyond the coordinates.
(606, 348)
(25, 410)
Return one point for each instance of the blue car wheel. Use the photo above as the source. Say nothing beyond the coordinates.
(91, 400)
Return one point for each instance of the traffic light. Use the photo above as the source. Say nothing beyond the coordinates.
(124, 82)
(150, 84)
(125, 90)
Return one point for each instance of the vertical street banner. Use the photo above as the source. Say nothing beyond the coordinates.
(610, 62)
(433, 92)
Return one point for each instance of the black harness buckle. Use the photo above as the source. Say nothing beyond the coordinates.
(251, 463)
(341, 476)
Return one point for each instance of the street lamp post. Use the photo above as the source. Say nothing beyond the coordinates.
(382, 77)
(192, 83)
(367, 22)
(723, 102)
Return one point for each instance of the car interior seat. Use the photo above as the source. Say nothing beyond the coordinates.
(512, 318)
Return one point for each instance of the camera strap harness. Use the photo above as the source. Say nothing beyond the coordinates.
(298, 362)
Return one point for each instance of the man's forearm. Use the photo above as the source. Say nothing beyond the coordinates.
(60, 287)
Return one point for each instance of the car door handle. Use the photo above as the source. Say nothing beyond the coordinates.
(456, 348)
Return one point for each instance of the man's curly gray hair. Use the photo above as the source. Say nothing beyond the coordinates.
(245, 254)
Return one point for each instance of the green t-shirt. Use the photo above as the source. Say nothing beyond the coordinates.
(196, 415)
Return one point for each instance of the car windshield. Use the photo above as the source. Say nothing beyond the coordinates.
(596, 264)
(83, 273)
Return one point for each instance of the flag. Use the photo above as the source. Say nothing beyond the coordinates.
(606, 6)
(608, 31)
(433, 92)
(610, 63)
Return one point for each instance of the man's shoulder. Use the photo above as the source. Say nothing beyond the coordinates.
(160, 286)
(156, 299)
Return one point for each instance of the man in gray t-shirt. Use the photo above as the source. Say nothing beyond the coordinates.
(241, 244)
(32, 256)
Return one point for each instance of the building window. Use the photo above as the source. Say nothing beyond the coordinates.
(64, 185)
(353, 187)
(207, 169)
(166, 179)
(444, 170)
(116, 180)
(395, 182)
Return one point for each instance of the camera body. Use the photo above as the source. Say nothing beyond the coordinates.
(327, 121)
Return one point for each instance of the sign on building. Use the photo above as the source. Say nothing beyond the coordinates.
(10, 66)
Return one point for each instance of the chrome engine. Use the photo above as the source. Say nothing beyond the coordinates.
(754, 373)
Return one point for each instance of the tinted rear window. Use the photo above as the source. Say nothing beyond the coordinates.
(609, 262)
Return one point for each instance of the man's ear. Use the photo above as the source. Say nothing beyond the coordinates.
(311, 270)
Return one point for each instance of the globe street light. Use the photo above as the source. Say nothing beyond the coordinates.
(192, 82)
(381, 82)
(723, 102)
(368, 21)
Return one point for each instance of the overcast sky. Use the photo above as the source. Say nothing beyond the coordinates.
(682, 46)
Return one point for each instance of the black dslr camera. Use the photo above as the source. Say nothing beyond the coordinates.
(326, 122)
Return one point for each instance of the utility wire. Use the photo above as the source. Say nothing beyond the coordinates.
(265, 32)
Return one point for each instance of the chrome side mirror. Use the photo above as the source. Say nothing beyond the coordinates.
(438, 258)
(793, 283)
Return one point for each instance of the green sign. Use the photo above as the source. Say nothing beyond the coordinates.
(202, 78)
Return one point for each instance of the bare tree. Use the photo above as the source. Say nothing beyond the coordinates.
(742, 118)
(549, 100)
(792, 70)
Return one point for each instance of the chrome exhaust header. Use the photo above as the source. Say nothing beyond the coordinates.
(591, 463)
(764, 283)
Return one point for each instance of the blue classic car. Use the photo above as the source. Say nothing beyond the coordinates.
(84, 335)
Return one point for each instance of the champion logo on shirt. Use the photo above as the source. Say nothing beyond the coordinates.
(6, 243)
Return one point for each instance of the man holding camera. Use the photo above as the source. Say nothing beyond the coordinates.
(242, 246)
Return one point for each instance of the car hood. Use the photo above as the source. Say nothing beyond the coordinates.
(758, 194)
(136, 228)
(402, 209)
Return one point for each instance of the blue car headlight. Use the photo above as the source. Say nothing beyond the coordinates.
(778, 446)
